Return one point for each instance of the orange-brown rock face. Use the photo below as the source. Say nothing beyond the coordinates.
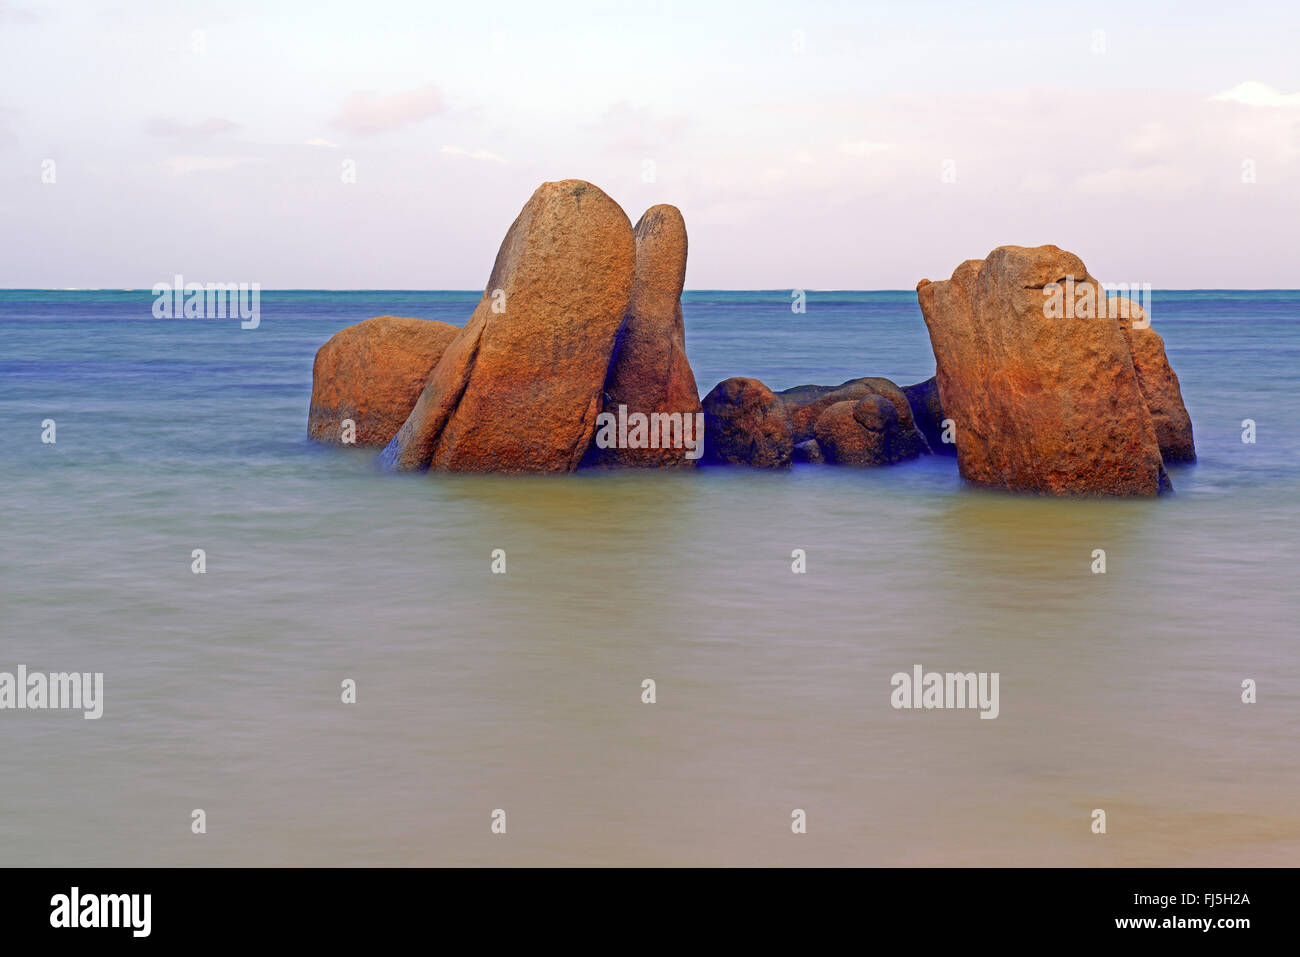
(1041, 402)
(650, 372)
(1159, 385)
(519, 389)
(373, 373)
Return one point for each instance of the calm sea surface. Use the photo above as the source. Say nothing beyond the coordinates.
(522, 691)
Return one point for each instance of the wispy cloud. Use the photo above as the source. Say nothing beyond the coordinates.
(7, 136)
(864, 148)
(323, 143)
(368, 113)
(1162, 179)
(178, 129)
(629, 128)
(206, 164)
(1253, 93)
(13, 14)
(480, 154)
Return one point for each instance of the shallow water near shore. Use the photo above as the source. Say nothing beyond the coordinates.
(523, 691)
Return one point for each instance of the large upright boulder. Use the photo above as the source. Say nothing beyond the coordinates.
(372, 373)
(1042, 399)
(650, 373)
(520, 388)
(1159, 384)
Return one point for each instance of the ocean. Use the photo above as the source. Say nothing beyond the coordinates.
(523, 692)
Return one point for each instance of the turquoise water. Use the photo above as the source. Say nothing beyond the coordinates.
(523, 691)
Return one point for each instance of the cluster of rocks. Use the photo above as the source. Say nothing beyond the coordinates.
(867, 421)
(582, 316)
(581, 313)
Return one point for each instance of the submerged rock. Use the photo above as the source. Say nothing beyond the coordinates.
(805, 405)
(1041, 401)
(749, 424)
(745, 423)
(373, 373)
(869, 431)
(809, 452)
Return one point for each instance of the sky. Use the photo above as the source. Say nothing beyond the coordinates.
(809, 145)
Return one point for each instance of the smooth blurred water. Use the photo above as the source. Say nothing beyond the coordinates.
(523, 691)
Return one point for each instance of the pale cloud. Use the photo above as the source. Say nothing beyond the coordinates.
(865, 148)
(206, 164)
(7, 136)
(13, 14)
(368, 113)
(1188, 144)
(1152, 139)
(1147, 181)
(177, 129)
(1037, 181)
(1252, 93)
(726, 111)
(480, 154)
(630, 128)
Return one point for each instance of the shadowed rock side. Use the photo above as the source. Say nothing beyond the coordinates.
(809, 452)
(1039, 404)
(865, 421)
(373, 373)
(745, 423)
(519, 389)
(806, 404)
(924, 400)
(1159, 385)
(650, 372)
(866, 432)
